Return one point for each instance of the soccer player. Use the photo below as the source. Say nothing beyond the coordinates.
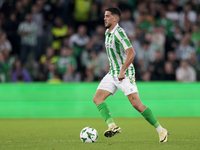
(121, 76)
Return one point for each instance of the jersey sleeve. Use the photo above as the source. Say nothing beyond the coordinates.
(122, 38)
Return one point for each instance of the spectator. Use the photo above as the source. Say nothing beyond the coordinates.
(158, 36)
(146, 76)
(139, 10)
(125, 22)
(172, 43)
(195, 6)
(1, 24)
(71, 75)
(59, 31)
(65, 42)
(169, 72)
(95, 44)
(172, 13)
(82, 11)
(66, 63)
(153, 10)
(187, 25)
(38, 20)
(178, 34)
(195, 37)
(7, 7)
(55, 79)
(26, 5)
(9, 59)
(195, 64)
(184, 50)
(90, 67)
(163, 26)
(28, 32)
(78, 42)
(45, 60)
(4, 69)
(19, 73)
(100, 32)
(48, 10)
(66, 10)
(177, 5)
(189, 13)
(51, 70)
(144, 56)
(154, 45)
(11, 26)
(185, 73)
(157, 66)
(19, 11)
(70, 31)
(145, 21)
(59, 7)
(139, 35)
(135, 43)
(94, 18)
(49, 55)
(165, 22)
(97, 66)
(4, 42)
(171, 57)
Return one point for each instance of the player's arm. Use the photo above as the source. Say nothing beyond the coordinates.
(129, 59)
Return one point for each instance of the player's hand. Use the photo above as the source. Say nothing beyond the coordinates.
(121, 75)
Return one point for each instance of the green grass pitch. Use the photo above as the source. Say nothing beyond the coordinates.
(63, 134)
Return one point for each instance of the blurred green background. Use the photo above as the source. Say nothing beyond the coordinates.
(74, 100)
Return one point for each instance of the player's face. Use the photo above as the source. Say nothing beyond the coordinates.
(108, 19)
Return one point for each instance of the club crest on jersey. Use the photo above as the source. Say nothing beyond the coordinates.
(119, 29)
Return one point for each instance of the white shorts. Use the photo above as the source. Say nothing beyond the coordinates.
(111, 84)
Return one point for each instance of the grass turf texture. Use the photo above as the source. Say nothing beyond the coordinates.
(63, 134)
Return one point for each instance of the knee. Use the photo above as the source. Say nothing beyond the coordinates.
(97, 100)
(137, 104)
(94, 99)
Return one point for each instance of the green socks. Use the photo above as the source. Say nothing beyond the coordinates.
(105, 113)
(149, 116)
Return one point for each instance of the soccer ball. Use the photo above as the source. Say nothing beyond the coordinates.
(89, 135)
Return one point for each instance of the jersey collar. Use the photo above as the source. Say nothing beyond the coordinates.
(113, 30)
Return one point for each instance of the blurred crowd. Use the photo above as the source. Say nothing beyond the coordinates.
(58, 41)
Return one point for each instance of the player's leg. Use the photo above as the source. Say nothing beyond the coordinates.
(99, 100)
(148, 115)
(106, 88)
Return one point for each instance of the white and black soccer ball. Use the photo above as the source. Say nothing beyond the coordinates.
(89, 135)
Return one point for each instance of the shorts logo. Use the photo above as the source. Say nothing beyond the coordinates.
(131, 80)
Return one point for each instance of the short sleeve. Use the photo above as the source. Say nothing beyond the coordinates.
(122, 39)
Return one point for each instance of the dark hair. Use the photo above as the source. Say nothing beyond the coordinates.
(114, 11)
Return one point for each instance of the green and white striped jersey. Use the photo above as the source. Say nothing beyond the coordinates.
(116, 42)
